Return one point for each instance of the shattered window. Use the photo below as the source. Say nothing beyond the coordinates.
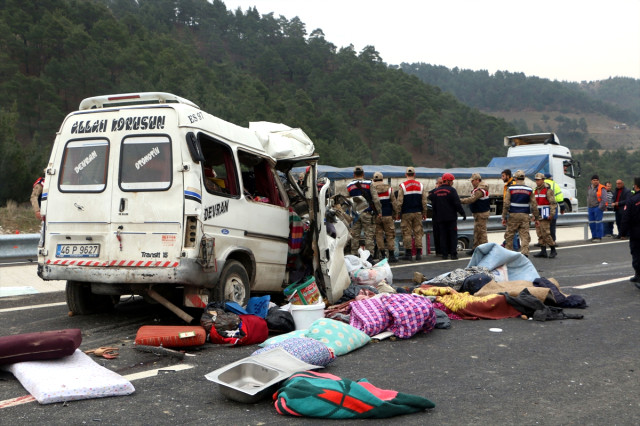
(145, 163)
(84, 166)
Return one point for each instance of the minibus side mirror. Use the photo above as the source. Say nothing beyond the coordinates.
(194, 148)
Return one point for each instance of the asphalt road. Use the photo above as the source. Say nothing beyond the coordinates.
(582, 372)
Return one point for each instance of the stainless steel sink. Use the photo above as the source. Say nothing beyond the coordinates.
(250, 379)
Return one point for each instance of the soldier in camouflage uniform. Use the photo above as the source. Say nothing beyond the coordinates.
(412, 205)
(365, 223)
(547, 209)
(384, 223)
(519, 203)
(479, 205)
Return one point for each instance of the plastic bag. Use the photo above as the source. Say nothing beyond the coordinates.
(373, 275)
(353, 263)
(281, 320)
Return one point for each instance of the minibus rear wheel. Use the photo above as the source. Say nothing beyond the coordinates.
(234, 283)
(81, 301)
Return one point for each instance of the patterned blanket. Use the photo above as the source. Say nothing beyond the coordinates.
(493, 306)
(323, 395)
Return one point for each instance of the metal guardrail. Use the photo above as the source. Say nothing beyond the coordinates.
(17, 246)
(495, 222)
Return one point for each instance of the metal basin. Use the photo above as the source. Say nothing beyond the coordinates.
(256, 377)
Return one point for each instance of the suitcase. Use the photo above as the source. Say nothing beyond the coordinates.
(171, 336)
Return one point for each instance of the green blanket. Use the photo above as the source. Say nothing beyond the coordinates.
(322, 395)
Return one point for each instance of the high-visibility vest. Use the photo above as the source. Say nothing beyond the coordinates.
(557, 191)
(599, 194)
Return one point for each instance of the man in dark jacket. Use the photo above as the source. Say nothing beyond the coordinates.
(620, 197)
(631, 227)
(446, 203)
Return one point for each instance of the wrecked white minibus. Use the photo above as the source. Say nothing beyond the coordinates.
(146, 194)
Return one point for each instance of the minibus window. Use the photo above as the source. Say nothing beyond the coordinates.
(219, 173)
(84, 166)
(258, 179)
(145, 163)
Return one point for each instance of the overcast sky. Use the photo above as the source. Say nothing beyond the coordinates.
(569, 40)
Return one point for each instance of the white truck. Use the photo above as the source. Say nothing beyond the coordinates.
(147, 194)
(533, 153)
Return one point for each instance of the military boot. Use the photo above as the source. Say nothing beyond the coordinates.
(553, 252)
(383, 254)
(543, 252)
(419, 254)
(392, 257)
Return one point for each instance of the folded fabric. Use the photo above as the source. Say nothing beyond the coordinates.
(513, 288)
(370, 316)
(493, 306)
(308, 350)
(492, 256)
(410, 313)
(38, 346)
(560, 299)
(529, 305)
(70, 378)
(322, 395)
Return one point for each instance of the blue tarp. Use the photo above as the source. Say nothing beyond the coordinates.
(530, 164)
(492, 256)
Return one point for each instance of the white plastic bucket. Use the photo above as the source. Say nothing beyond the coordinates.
(305, 315)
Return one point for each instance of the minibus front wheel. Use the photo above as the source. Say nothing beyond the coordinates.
(234, 283)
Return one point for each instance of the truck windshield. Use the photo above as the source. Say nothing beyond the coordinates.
(145, 163)
(84, 166)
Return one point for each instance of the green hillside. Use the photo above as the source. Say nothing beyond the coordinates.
(240, 66)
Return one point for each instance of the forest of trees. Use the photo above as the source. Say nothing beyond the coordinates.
(617, 98)
(241, 66)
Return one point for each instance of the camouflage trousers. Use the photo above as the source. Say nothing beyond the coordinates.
(411, 226)
(365, 224)
(518, 222)
(480, 228)
(385, 227)
(543, 230)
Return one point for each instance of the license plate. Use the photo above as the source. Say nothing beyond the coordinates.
(78, 250)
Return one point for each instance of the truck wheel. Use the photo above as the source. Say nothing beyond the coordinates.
(81, 301)
(234, 283)
(567, 206)
(462, 244)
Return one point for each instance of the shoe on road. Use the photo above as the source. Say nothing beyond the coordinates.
(635, 279)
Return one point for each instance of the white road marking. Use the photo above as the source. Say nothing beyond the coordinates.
(24, 308)
(615, 280)
(12, 402)
(151, 373)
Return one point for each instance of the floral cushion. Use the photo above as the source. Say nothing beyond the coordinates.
(340, 337)
(308, 350)
(281, 337)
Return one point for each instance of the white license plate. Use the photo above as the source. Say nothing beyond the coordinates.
(78, 250)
